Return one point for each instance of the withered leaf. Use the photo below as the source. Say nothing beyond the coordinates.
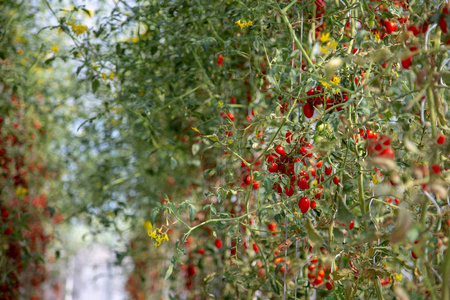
(402, 226)
(341, 274)
(286, 244)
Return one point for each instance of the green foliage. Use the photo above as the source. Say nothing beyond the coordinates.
(192, 98)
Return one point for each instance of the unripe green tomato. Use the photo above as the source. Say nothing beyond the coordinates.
(318, 139)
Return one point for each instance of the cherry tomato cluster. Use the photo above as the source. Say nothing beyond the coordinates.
(21, 221)
(317, 273)
(377, 145)
(283, 164)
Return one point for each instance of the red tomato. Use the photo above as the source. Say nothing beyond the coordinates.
(273, 168)
(415, 30)
(289, 137)
(303, 204)
(406, 63)
(308, 110)
(289, 191)
(328, 170)
(351, 225)
(336, 180)
(390, 26)
(280, 150)
(303, 184)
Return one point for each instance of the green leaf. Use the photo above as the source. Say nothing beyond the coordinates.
(195, 148)
(349, 186)
(153, 215)
(173, 163)
(294, 53)
(95, 85)
(25, 216)
(360, 36)
(87, 12)
(213, 137)
(99, 31)
(279, 217)
(278, 267)
(191, 212)
(313, 236)
(172, 207)
(338, 235)
(48, 61)
(119, 257)
(169, 271)
(166, 197)
(51, 210)
(274, 285)
(343, 215)
(298, 167)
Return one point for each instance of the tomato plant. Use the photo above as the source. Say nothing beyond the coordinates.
(220, 121)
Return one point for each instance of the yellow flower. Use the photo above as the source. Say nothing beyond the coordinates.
(19, 39)
(398, 277)
(54, 48)
(245, 24)
(152, 234)
(148, 225)
(375, 179)
(324, 83)
(219, 104)
(376, 35)
(155, 234)
(242, 25)
(77, 29)
(333, 45)
(325, 37)
(324, 50)
(104, 76)
(336, 80)
(21, 192)
(298, 214)
(159, 239)
(330, 46)
(135, 39)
